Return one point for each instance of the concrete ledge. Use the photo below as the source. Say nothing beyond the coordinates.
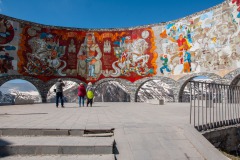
(156, 101)
(55, 132)
(50, 132)
(76, 132)
(99, 135)
(204, 147)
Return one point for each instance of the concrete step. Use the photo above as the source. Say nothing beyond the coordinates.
(202, 145)
(99, 135)
(54, 132)
(60, 157)
(42, 145)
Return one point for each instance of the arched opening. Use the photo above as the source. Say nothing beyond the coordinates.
(184, 94)
(236, 81)
(111, 91)
(69, 92)
(155, 89)
(19, 91)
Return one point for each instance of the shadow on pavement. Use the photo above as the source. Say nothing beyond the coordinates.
(4, 150)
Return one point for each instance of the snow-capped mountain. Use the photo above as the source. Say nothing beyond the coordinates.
(6, 98)
(69, 92)
(186, 92)
(107, 92)
(111, 92)
(12, 93)
(155, 89)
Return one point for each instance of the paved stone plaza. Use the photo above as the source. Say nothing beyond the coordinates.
(142, 131)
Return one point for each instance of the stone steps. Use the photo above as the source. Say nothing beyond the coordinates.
(54, 132)
(34, 143)
(42, 145)
(60, 157)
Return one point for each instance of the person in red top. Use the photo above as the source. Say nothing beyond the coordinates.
(81, 94)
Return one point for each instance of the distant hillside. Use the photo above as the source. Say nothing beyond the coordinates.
(23, 87)
(155, 89)
(107, 92)
(111, 92)
(69, 92)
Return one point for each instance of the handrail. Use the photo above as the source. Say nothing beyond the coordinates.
(213, 105)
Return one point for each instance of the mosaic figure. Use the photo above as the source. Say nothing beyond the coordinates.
(89, 58)
(164, 58)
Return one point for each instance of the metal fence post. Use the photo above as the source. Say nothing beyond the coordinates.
(190, 102)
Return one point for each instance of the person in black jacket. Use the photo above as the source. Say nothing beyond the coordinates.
(59, 92)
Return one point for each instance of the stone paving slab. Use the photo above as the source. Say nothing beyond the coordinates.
(60, 157)
(142, 130)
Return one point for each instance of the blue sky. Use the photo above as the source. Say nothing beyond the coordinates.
(102, 13)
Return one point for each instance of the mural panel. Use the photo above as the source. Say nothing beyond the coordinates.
(206, 42)
(203, 43)
(9, 38)
(88, 56)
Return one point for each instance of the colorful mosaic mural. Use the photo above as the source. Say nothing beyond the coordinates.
(202, 43)
(9, 40)
(205, 42)
(88, 56)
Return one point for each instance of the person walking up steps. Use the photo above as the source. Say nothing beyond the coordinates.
(81, 94)
(90, 94)
(59, 92)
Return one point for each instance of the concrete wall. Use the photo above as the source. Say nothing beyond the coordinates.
(206, 43)
(226, 139)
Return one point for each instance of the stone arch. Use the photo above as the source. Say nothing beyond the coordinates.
(235, 80)
(127, 85)
(233, 77)
(182, 82)
(166, 80)
(39, 84)
(51, 82)
(119, 80)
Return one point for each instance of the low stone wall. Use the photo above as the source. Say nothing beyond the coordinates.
(23, 101)
(226, 139)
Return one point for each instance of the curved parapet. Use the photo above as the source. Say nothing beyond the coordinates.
(204, 42)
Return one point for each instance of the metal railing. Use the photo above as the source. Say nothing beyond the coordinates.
(213, 105)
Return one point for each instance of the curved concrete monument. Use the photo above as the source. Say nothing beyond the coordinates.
(206, 43)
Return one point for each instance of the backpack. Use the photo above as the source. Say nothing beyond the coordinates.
(90, 94)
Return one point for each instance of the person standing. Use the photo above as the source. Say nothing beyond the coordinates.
(81, 94)
(59, 92)
(90, 94)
